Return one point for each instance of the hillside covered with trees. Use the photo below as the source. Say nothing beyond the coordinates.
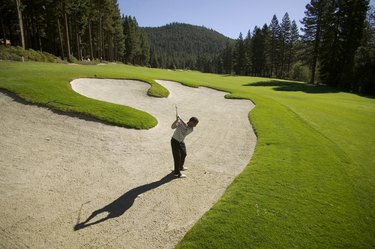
(179, 45)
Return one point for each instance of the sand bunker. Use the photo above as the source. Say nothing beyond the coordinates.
(56, 171)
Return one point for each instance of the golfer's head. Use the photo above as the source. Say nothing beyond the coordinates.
(193, 121)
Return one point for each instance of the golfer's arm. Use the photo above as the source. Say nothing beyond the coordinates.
(183, 123)
(174, 125)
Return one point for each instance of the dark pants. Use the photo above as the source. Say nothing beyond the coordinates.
(179, 154)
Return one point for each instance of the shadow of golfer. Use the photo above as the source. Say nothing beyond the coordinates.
(119, 206)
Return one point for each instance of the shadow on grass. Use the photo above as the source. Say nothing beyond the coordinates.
(295, 86)
(119, 206)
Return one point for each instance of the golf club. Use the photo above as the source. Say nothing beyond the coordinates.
(177, 112)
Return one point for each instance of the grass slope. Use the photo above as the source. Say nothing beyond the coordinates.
(48, 84)
(310, 183)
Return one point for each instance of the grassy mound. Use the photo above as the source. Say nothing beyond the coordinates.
(47, 84)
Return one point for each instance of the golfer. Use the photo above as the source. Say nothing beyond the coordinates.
(178, 145)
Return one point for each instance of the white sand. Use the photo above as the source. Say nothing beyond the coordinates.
(56, 170)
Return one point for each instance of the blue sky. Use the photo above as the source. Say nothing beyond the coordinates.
(229, 17)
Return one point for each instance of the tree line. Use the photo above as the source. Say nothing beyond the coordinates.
(74, 29)
(269, 51)
(336, 48)
(340, 43)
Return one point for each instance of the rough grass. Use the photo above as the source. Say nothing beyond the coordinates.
(310, 183)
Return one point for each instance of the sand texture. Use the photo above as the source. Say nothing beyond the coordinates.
(67, 182)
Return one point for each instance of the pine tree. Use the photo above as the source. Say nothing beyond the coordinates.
(118, 35)
(144, 49)
(239, 56)
(352, 31)
(228, 58)
(274, 52)
(312, 32)
(20, 19)
(266, 41)
(365, 57)
(137, 49)
(342, 31)
(294, 38)
(131, 39)
(259, 51)
(79, 13)
(285, 40)
(330, 57)
(65, 9)
(248, 54)
(154, 62)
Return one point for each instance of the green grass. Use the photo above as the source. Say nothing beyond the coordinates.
(310, 182)
(47, 84)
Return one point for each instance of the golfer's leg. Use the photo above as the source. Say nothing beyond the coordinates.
(176, 155)
(183, 155)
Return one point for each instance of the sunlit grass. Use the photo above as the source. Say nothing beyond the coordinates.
(310, 183)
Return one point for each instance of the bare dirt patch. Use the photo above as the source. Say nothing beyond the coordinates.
(57, 171)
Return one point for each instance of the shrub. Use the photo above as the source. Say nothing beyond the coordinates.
(300, 72)
(15, 54)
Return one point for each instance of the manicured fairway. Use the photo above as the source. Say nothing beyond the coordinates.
(310, 183)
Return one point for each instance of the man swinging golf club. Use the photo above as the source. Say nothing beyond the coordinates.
(177, 142)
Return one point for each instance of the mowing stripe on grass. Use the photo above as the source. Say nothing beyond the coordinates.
(295, 193)
(310, 183)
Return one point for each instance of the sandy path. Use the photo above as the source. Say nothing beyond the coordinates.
(55, 170)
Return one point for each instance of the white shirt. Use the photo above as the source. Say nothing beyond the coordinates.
(181, 132)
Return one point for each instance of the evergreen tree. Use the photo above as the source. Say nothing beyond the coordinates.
(79, 13)
(239, 56)
(118, 35)
(154, 62)
(266, 40)
(274, 48)
(185, 42)
(131, 39)
(218, 64)
(292, 49)
(330, 57)
(248, 54)
(312, 32)
(258, 50)
(67, 28)
(335, 28)
(20, 20)
(144, 52)
(342, 32)
(227, 58)
(352, 31)
(365, 57)
(285, 41)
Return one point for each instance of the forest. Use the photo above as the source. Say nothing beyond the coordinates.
(179, 45)
(335, 46)
(74, 30)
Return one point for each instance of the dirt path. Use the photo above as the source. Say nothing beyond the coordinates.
(56, 170)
